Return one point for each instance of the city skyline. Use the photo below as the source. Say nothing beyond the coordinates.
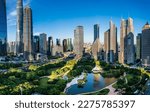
(61, 23)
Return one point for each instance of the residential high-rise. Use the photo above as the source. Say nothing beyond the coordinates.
(43, 43)
(127, 42)
(96, 31)
(50, 45)
(3, 28)
(28, 34)
(19, 33)
(146, 45)
(79, 40)
(138, 46)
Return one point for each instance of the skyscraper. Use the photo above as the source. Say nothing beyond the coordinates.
(96, 31)
(19, 33)
(113, 42)
(65, 45)
(96, 47)
(78, 40)
(69, 44)
(107, 45)
(28, 34)
(11, 48)
(50, 45)
(126, 42)
(43, 43)
(58, 42)
(36, 43)
(110, 43)
(138, 46)
(146, 45)
(3, 28)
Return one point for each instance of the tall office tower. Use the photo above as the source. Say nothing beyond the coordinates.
(3, 28)
(19, 33)
(58, 42)
(69, 44)
(96, 49)
(79, 40)
(126, 42)
(65, 45)
(50, 45)
(43, 43)
(146, 45)
(96, 31)
(113, 42)
(28, 34)
(110, 44)
(107, 46)
(36, 44)
(138, 46)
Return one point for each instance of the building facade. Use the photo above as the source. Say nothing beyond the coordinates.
(146, 45)
(3, 28)
(28, 34)
(19, 33)
(79, 40)
(127, 53)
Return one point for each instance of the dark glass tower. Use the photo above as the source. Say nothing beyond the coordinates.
(19, 33)
(96, 32)
(3, 28)
(50, 45)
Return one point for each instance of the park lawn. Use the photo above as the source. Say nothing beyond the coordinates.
(59, 72)
(43, 82)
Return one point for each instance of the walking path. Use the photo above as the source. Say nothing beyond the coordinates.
(112, 89)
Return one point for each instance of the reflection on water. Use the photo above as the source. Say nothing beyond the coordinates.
(94, 82)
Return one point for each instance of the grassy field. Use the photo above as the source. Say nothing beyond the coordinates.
(44, 82)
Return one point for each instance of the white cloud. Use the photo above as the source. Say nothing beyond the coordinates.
(13, 13)
(37, 33)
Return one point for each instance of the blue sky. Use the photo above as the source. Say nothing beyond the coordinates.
(58, 18)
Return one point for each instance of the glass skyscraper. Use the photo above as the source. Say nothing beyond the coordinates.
(3, 28)
(96, 31)
(19, 36)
